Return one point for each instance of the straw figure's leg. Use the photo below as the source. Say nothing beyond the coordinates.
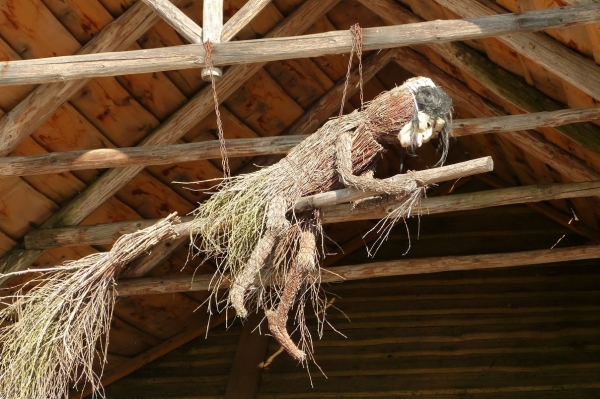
(276, 225)
(365, 182)
(303, 264)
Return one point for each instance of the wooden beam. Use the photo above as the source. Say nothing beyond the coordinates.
(545, 51)
(549, 211)
(242, 18)
(178, 124)
(176, 19)
(109, 233)
(212, 20)
(180, 283)
(263, 50)
(244, 377)
(190, 333)
(58, 162)
(42, 102)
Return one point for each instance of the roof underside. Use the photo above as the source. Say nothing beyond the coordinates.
(488, 78)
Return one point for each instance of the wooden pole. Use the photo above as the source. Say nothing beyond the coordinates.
(59, 69)
(212, 20)
(109, 233)
(57, 162)
(177, 20)
(179, 283)
(242, 18)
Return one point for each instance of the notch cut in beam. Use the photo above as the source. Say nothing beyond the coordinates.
(60, 69)
(177, 283)
(58, 162)
(109, 233)
(172, 15)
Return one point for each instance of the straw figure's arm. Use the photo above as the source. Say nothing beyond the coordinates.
(302, 266)
(365, 182)
(276, 225)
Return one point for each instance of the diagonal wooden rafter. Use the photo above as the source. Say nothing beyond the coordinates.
(171, 130)
(58, 162)
(179, 283)
(539, 48)
(176, 19)
(109, 233)
(42, 102)
(262, 50)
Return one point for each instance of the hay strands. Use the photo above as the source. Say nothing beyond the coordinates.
(57, 324)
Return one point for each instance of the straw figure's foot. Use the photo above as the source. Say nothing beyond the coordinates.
(303, 265)
(276, 226)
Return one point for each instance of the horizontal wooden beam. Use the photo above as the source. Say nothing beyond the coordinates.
(178, 283)
(176, 19)
(58, 162)
(58, 69)
(109, 233)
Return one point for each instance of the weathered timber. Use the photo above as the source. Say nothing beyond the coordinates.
(263, 50)
(195, 330)
(177, 19)
(242, 18)
(426, 177)
(177, 283)
(212, 20)
(244, 377)
(42, 102)
(196, 109)
(58, 162)
(109, 233)
(543, 50)
(559, 217)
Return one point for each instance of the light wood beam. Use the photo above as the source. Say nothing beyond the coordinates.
(539, 48)
(168, 132)
(242, 18)
(57, 162)
(54, 69)
(109, 233)
(176, 19)
(42, 102)
(212, 20)
(181, 283)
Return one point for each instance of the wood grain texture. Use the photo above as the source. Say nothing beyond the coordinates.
(60, 69)
(176, 19)
(164, 155)
(242, 18)
(108, 233)
(178, 283)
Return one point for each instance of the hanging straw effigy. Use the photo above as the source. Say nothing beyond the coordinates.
(57, 325)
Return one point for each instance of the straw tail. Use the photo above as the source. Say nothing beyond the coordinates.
(57, 325)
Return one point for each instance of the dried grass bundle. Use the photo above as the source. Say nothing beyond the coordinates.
(56, 329)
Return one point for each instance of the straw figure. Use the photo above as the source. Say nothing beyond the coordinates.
(269, 254)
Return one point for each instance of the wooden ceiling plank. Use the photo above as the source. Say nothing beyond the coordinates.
(543, 50)
(178, 283)
(42, 102)
(60, 69)
(242, 18)
(108, 233)
(171, 130)
(176, 19)
(198, 328)
(58, 162)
